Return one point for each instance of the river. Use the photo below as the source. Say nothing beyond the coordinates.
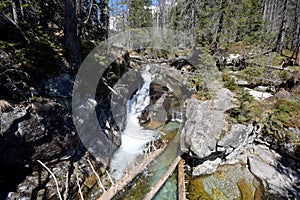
(134, 137)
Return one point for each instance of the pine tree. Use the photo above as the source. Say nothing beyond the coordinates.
(139, 13)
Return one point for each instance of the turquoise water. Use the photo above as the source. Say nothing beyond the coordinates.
(139, 188)
(159, 168)
(169, 189)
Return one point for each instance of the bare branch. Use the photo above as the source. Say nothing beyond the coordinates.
(110, 88)
(112, 182)
(67, 186)
(79, 187)
(89, 14)
(57, 187)
(99, 180)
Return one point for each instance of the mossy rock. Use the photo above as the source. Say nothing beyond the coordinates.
(228, 182)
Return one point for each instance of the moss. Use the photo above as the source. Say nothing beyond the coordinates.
(153, 125)
(197, 82)
(276, 115)
(171, 126)
(218, 195)
(286, 113)
(139, 190)
(243, 112)
(252, 73)
(246, 190)
(196, 190)
(230, 83)
(170, 129)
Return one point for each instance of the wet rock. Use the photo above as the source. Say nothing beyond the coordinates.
(160, 110)
(124, 88)
(232, 182)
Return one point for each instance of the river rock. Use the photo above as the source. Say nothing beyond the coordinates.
(231, 182)
(233, 139)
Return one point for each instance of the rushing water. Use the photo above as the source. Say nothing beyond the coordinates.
(134, 137)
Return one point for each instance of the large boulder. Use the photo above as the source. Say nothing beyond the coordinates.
(278, 174)
(204, 125)
(42, 130)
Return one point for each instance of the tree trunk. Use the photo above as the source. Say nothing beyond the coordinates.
(282, 30)
(70, 31)
(297, 61)
(296, 29)
(104, 17)
(216, 44)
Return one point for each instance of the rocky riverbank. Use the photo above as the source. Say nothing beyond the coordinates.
(237, 145)
(240, 145)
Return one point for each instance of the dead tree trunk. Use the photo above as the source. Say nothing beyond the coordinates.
(10, 31)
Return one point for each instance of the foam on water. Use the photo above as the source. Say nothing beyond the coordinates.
(134, 137)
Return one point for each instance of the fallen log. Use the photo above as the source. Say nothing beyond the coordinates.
(129, 176)
(163, 179)
(181, 181)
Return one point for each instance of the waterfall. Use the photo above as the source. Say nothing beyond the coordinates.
(134, 137)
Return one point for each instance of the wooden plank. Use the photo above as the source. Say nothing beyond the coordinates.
(163, 179)
(181, 181)
(128, 177)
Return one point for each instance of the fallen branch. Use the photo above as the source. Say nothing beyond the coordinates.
(99, 180)
(262, 53)
(110, 88)
(57, 187)
(112, 182)
(128, 177)
(165, 177)
(79, 187)
(67, 186)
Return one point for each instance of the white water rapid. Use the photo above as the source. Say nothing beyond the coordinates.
(134, 137)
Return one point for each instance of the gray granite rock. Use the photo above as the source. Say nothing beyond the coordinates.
(208, 167)
(277, 176)
(233, 139)
(204, 125)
